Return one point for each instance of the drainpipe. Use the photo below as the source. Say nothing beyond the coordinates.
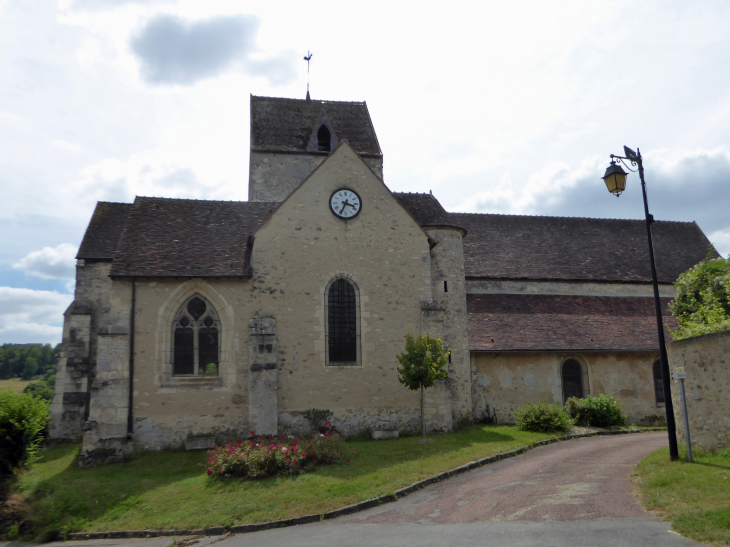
(130, 415)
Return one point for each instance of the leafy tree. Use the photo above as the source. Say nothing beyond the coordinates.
(702, 305)
(30, 368)
(23, 426)
(421, 365)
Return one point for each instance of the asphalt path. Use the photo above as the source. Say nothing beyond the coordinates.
(576, 493)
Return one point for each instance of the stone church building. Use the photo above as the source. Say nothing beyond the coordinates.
(211, 317)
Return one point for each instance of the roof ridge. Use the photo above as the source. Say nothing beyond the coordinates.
(305, 100)
(567, 217)
(202, 200)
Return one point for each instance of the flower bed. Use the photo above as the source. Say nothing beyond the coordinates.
(266, 456)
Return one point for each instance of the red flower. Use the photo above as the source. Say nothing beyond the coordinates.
(348, 460)
(304, 454)
(209, 472)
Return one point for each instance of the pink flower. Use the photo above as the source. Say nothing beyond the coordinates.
(348, 460)
(209, 472)
(304, 454)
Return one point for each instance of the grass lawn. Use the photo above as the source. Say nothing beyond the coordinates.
(15, 385)
(695, 497)
(169, 490)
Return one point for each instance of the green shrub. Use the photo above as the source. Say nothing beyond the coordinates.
(542, 417)
(702, 305)
(601, 411)
(42, 389)
(317, 417)
(23, 425)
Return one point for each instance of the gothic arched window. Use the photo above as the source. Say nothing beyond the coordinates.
(323, 139)
(656, 370)
(196, 338)
(342, 327)
(572, 376)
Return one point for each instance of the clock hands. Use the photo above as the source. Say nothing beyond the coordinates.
(346, 204)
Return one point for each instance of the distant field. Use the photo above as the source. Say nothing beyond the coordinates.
(16, 384)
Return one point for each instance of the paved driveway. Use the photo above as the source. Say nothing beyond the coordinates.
(575, 493)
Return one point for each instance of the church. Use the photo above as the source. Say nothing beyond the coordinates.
(222, 318)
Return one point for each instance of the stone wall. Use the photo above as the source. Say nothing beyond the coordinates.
(449, 290)
(706, 361)
(504, 381)
(273, 176)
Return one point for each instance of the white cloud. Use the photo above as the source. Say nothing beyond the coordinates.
(57, 262)
(721, 240)
(28, 315)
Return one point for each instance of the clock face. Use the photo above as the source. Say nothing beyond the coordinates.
(345, 203)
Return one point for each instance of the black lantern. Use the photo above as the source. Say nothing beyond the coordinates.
(615, 179)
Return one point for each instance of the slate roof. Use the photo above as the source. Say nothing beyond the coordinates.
(285, 125)
(425, 209)
(588, 249)
(104, 230)
(516, 322)
(189, 238)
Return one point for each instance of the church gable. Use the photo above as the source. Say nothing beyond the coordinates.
(310, 203)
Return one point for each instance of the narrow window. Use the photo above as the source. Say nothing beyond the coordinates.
(449, 357)
(323, 138)
(572, 374)
(446, 286)
(196, 343)
(658, 383)
(342, 324)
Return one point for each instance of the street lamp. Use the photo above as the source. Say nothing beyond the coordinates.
(615, 179)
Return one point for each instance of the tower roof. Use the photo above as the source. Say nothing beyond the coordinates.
(286, 125)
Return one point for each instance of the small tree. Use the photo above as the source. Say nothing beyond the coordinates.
(421, 365)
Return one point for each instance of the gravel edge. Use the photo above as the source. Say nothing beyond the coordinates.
(348, 510)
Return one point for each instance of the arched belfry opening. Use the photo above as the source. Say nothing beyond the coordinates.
(323, 139)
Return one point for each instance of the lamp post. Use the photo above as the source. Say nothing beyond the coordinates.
(615, 179)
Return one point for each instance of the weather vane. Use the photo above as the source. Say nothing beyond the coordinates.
(308, 58)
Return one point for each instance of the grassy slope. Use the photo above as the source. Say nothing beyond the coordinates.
(167, 490)
(695, 497)
(15, 384)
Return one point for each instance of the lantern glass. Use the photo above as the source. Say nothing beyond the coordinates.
(615, 179)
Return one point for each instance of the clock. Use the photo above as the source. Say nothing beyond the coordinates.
(345, 203)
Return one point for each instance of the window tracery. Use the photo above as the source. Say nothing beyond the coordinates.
(196, 338)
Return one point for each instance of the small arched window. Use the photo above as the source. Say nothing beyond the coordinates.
(196, 338)
(323, 139)
(658, 383)
(342, 327)
(572, 375)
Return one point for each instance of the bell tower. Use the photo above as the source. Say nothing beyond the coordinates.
(291, 137)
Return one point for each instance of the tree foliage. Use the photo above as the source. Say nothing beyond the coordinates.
(27, 360)
(23, 426)
(702, 305)
(423, 361)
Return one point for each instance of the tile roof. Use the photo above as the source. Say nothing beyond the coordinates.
(285, 125)
(516, 322)
(589, 249)
(178, 237)
(104, 230)
(425, 209)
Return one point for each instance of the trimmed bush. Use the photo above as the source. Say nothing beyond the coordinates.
(23, 426)
(542, 417)
(601, 411)
(267, 456)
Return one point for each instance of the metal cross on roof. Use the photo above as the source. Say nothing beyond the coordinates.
(308, 58)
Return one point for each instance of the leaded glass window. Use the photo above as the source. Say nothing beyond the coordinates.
(572, 374)
(342, 331)
(196, 339)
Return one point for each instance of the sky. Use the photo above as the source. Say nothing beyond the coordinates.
(495, 107)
